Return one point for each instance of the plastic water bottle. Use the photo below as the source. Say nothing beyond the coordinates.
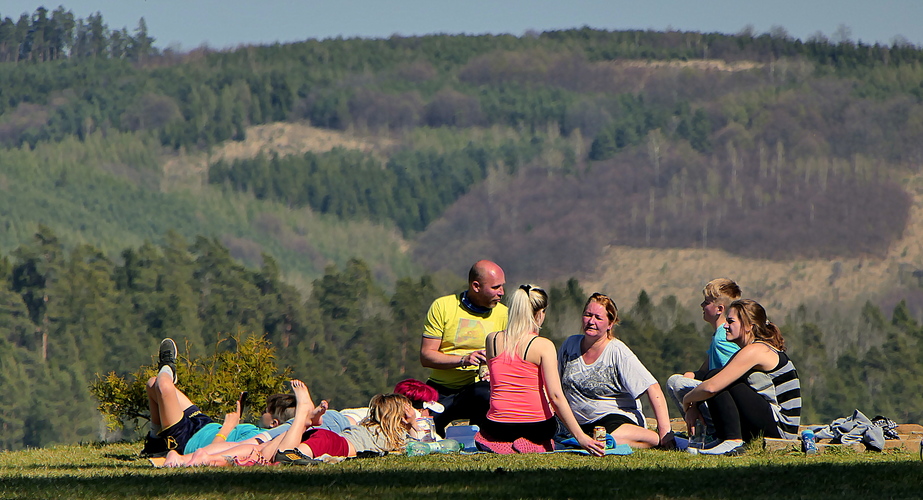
(420, 448)
(698, 439)
(449, 446)
(808, 443)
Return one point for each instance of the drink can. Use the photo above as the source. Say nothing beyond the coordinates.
(599, 433)
(808, 442)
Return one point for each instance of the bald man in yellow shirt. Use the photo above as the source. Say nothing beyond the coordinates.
(453, 344)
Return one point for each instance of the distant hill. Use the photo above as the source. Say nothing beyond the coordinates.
(425, 153)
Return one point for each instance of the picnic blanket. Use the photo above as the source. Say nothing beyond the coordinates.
(570, 445)
(853, 429)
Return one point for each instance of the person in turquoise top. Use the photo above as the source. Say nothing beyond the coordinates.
(454, 340)
(177, 421)
(718, 293)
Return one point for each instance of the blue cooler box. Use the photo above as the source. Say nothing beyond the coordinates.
(464, 434)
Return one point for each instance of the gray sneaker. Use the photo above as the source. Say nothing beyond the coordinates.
(168, 356)
(727, 448)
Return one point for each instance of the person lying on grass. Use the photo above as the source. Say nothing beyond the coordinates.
(280, 411)
(389, 425)
(277, 410)
(179, 423)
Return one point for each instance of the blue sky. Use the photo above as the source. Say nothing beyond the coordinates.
(187, 24)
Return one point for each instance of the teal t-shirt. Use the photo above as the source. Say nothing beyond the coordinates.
(721, 350)
(207, 434)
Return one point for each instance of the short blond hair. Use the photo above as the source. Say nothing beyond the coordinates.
(722, 291)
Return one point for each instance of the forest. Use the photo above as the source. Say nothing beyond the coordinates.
(70, 317)
(124, 221)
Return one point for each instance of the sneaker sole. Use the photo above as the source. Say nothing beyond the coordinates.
(167, 345)
(736, 452)
(295, 457)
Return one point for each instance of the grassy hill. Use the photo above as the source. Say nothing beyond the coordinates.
(114, 471)
(119, 190)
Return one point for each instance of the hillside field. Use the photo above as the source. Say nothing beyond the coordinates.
(115, 471)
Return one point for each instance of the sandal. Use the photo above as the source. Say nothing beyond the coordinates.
(485, 443)
(523, 445)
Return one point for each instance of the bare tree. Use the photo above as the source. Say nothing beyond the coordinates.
(842, 34)
(902, 42)
(818, 37)
(747, 31)
(778, 32)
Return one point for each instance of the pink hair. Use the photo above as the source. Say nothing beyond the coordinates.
(416, 390)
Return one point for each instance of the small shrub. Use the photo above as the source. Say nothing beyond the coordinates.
(213, 382)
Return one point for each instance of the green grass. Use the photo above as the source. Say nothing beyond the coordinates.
(115, 471)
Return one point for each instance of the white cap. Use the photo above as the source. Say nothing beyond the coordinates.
(434, 406)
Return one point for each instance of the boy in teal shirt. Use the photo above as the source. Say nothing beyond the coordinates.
(718, 293)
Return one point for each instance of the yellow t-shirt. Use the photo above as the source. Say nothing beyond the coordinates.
(461, 332)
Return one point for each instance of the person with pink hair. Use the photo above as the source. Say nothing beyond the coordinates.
(424, 398)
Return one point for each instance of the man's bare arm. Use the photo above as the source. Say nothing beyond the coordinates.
(432, 357)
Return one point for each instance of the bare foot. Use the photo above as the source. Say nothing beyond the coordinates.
(174, 459)
(317, 416)
(212, 461)
(198, 457)
(302, 395)
(303, 404)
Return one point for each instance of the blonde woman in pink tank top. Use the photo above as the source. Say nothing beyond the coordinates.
(525, 388)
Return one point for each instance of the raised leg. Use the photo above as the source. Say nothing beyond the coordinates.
(304, 407)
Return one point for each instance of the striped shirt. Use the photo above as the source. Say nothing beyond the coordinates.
(783, 391)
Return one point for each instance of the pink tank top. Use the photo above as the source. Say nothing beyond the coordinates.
(517, 390)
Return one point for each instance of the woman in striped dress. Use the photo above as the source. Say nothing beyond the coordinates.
(757, 392)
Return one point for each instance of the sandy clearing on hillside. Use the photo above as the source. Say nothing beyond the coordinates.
(779, 286)
(284, 138)
(293, 138)
(697, 64)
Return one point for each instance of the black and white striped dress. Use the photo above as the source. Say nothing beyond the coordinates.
(782, 389)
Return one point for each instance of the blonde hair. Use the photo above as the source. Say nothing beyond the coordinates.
(386, 413)
(722, 291)
(612, 312)
(751, 313)
(525, 303)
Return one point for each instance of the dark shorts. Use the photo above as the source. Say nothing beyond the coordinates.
(178, 434)
(611, 422)
(322, 441)
(508, 431)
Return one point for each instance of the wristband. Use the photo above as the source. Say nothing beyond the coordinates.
(222, 436)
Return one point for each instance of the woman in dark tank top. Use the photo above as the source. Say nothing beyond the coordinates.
(757, 393)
